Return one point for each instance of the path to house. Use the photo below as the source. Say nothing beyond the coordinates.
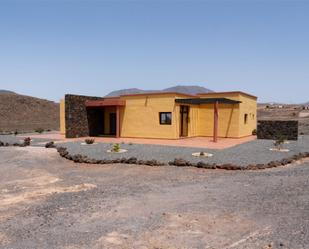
(49, 202)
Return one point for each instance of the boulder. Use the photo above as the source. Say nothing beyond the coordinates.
(205, 165)
(50, 145)
(131, 160)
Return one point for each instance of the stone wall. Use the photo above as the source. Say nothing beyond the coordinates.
(77, 119)
(271, 129)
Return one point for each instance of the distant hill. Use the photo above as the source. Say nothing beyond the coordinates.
(6, 91)
(179, 89)
(25, 113)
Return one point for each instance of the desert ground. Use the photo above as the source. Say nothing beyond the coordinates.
(49, 202)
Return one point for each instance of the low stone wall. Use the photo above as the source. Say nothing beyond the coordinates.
(77, 119)
(78, 158)
(274, 129)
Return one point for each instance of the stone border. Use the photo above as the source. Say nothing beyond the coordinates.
(78, 158)
(25, 143)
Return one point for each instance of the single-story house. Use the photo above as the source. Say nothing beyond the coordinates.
(164, 115)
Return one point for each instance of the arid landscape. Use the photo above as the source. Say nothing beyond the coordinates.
(49, 202)
(25, 113)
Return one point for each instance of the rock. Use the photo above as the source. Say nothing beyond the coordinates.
(273, 164)
(180, 162)
(251, 167)
(205, 165)
(131, 160)
(151, 162)
(77, 158)
(116, 160)
(261, 166)
(50, 145)
(229, 166)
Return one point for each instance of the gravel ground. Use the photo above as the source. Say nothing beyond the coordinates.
(17, 139)
(254, 152)
(49, 202)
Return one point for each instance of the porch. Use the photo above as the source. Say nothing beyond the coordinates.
(104, 117)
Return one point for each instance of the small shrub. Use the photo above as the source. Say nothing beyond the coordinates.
(202, 153)
(279, 142)
(89, 141)
(254, 132)
(27, 141)
(116, 148)
(39, 130)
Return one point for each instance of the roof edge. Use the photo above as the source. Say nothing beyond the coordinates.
(233, 92)
(157, 93)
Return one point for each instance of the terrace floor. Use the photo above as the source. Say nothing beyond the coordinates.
(194, 142)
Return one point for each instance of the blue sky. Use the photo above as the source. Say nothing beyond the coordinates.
(49, 48)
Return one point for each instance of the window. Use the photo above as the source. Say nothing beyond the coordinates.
(165, 118)
(246, 118)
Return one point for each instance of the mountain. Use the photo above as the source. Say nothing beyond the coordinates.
(6, 92)
(127, 91)
(188, 89)
(25, 113)
(179, 89)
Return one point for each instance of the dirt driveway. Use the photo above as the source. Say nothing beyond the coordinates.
(48, 202)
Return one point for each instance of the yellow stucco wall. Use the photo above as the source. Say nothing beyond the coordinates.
(249, 107)
(62, 117)
(231, 117)
(228, 120)
(140, 117)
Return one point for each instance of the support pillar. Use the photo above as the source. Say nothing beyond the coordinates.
(216, 114)
(117, 121)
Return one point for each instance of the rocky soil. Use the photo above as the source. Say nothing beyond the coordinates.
(25, 113)
(50, 202)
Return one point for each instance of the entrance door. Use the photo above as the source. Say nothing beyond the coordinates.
(184, 119)
(112, 123)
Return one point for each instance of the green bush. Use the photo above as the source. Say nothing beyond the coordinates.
(279, 142)
(116, 148)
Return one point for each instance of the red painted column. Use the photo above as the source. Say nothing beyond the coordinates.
(216, 114)
(117, 121)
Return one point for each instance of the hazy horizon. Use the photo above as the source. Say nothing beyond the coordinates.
(50, 48)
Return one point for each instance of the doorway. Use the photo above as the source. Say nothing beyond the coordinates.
(184, 120)
(112, 123)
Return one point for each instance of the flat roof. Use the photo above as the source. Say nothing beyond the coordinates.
(231, 92)
(199, 101)
(157, 93)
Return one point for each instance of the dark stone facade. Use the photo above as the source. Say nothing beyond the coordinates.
(79, 121)
(273, 129)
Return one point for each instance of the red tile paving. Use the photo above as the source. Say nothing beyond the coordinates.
(196, 142)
